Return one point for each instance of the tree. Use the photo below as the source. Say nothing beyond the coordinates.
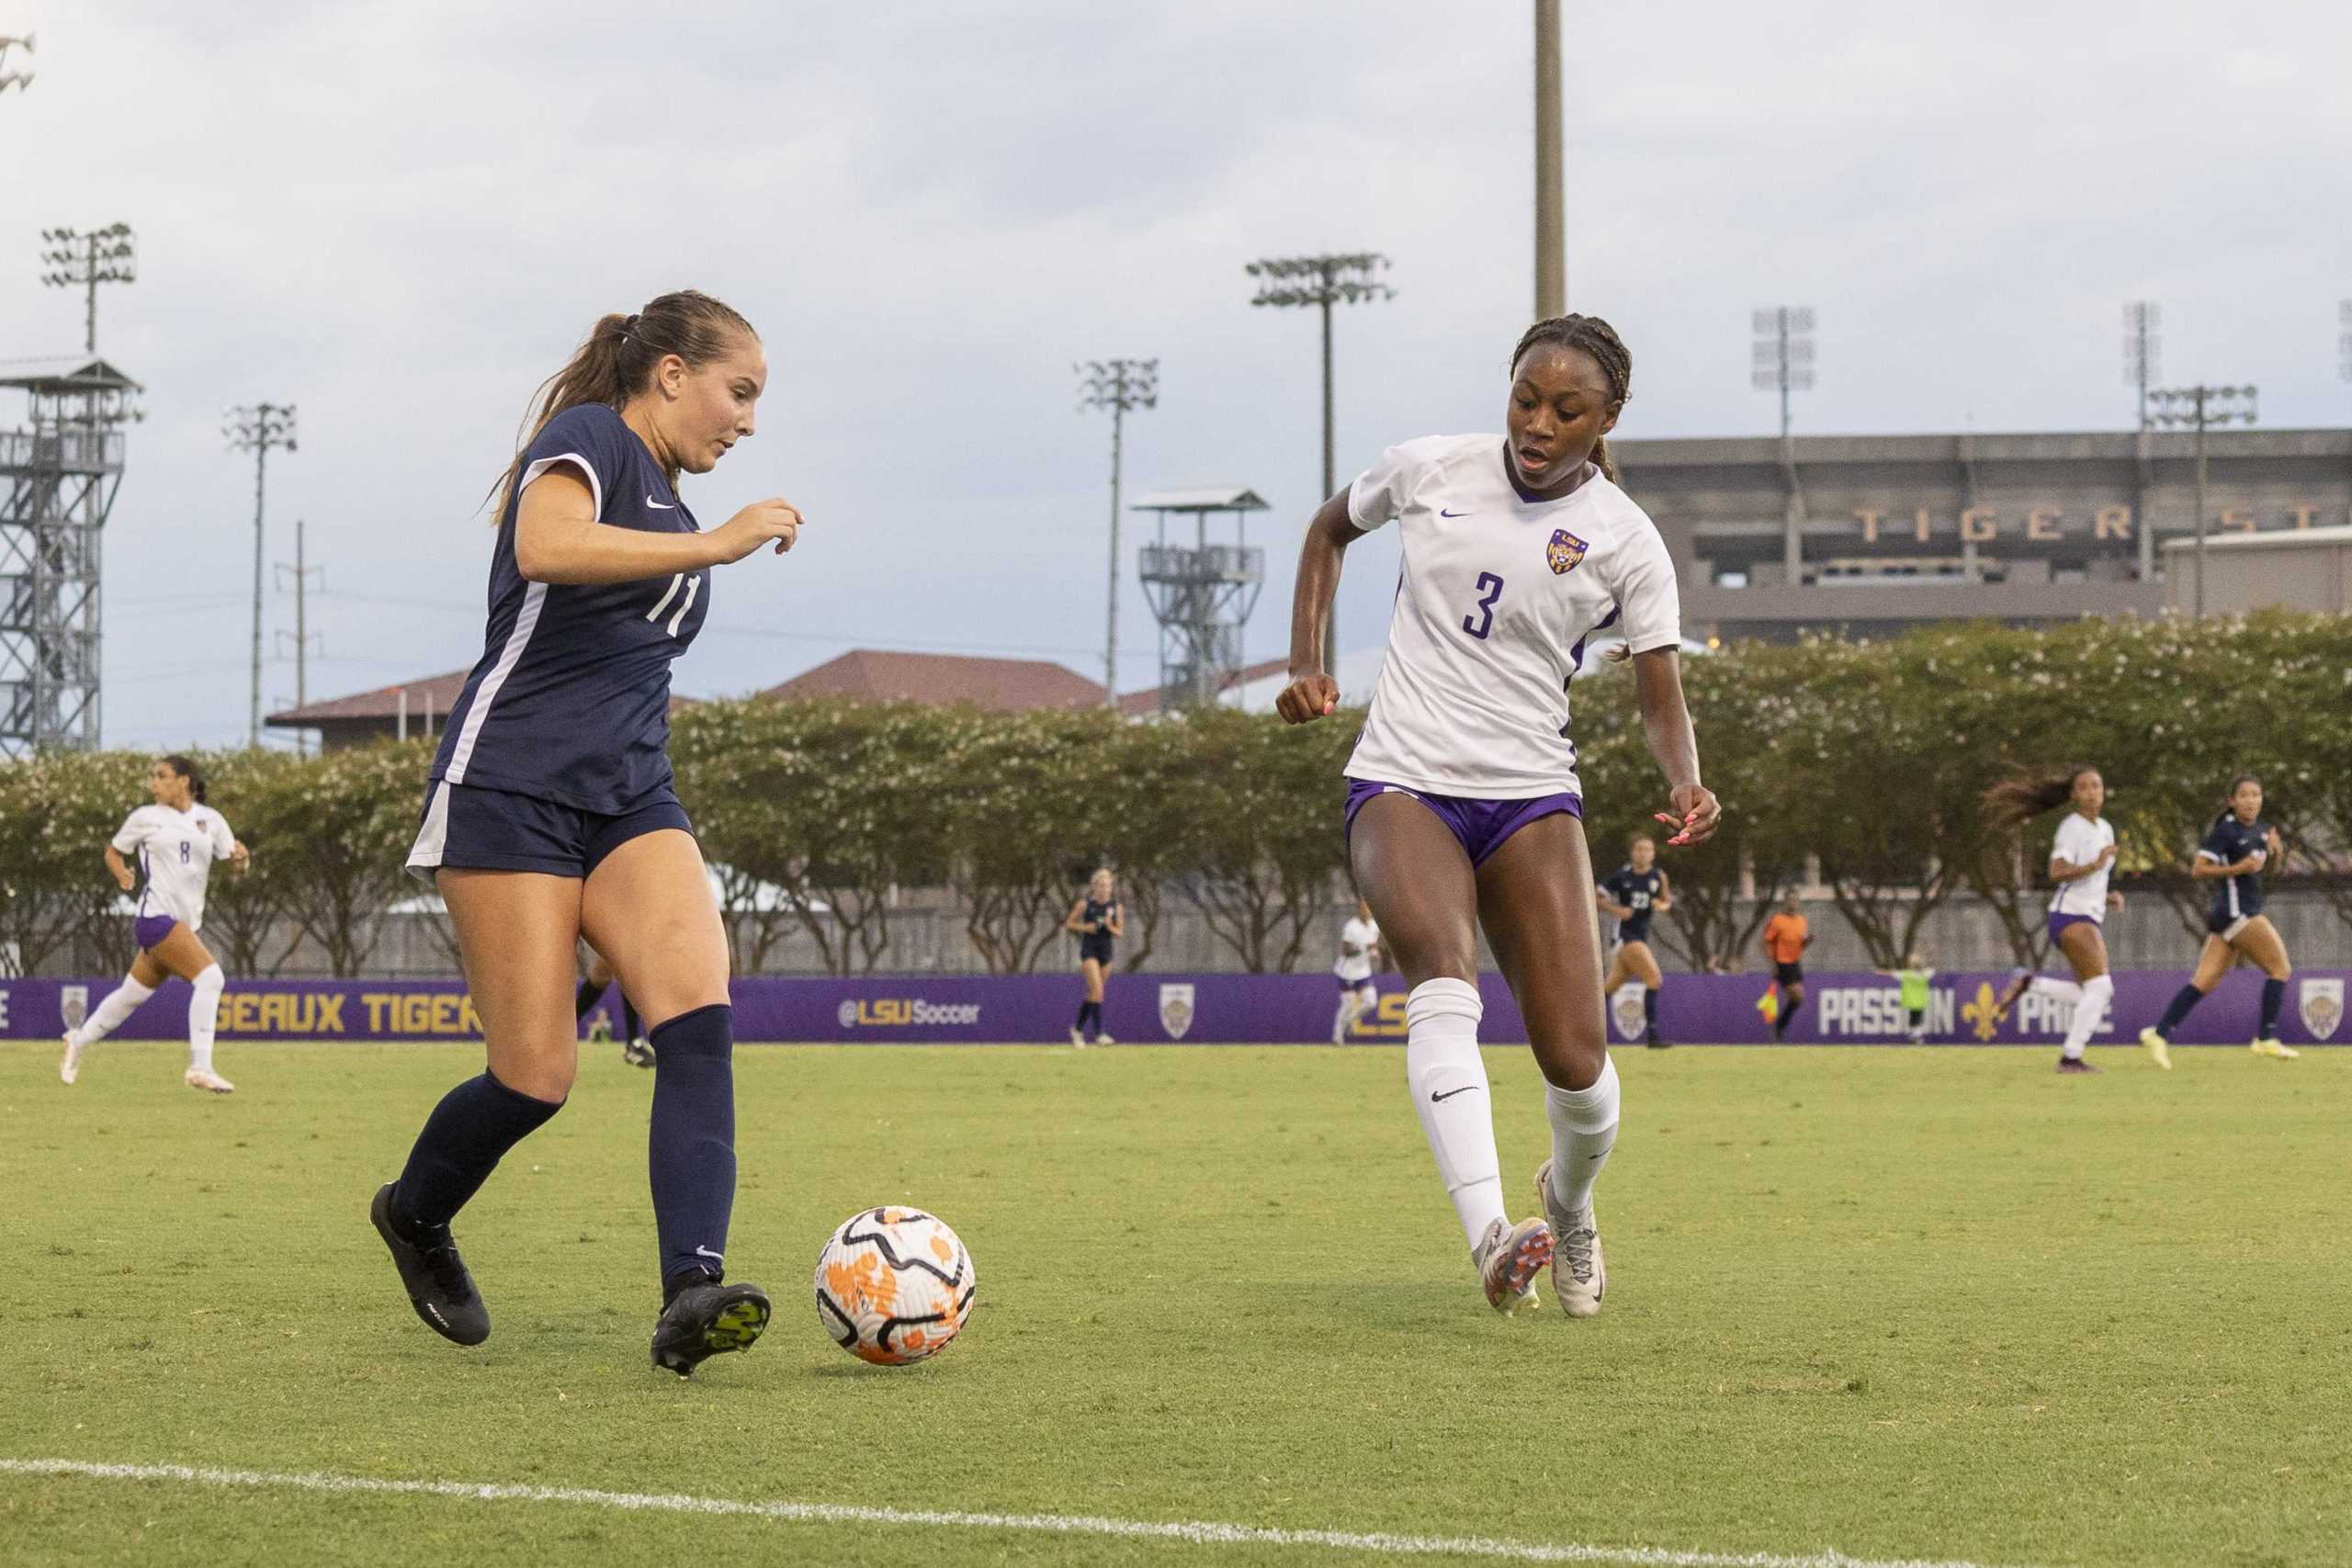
(245, 919)
(340, 827)
(62, 809)
(1018, 783)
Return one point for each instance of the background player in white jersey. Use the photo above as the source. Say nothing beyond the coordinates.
(1359, 951)
(173, 845)
(1462, 804)
(550, 814)
(2080, 857)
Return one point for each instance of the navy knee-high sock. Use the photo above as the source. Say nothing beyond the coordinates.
(467, 1136)
(1649, 1007)
(2274, 994)
(585, 997)
(690, 1154)
(632, 1025)
(2177, 1009)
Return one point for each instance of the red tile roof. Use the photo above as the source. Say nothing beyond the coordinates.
(1150, 700)
(942, 680)
(436, 693)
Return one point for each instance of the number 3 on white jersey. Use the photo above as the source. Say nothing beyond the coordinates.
(693, 586)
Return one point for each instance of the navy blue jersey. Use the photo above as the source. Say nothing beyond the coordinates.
(2230, 842)
(1637, 890)
(570, 699)
(1098, 911)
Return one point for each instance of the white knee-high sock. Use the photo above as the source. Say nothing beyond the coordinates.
(1346, 1015)
(1584, 1128)
(1448, 1080)
(203, 1017)
(119, 1004)
(2050, 984)
(2088, 1013)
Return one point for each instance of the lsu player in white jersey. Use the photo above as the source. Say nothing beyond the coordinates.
(173, 845)
(1463, 809)
(2080, 858)
(1358, 943)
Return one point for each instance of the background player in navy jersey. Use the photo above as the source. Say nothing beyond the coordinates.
(1463, 809)
(636, 1049)
(1099, 919)
(2081, 851)
(550, 815)
(1634, 892)
(2236, 849)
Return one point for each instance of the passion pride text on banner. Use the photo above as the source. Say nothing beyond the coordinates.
(1223, 1010)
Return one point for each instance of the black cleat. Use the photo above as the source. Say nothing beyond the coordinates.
(2075, 1065)
(1654, 1043)
(637, 1053)
(703, 1321)
(435, 1277)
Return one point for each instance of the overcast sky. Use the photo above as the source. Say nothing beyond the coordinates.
(401, 217)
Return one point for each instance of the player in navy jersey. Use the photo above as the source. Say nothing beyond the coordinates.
(1464, 810)
(1099, 919)
(2236, 849)
(1634, 892)
(550, 815)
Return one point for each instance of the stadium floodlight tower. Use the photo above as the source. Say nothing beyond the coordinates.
(2142, 350)
(255, 428)
(2199, 409)
(1118, 385)
(1784, 361)
(78, 260)
(58, 480)
(19, 80)
(1201, 593)
(1322, 280)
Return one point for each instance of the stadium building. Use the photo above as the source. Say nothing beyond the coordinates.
(1864, 535)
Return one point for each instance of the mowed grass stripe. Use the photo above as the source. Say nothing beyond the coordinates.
(1191, 1532)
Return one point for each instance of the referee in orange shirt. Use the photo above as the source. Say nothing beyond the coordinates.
(1786, 936)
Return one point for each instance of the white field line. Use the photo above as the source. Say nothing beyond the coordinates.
(1194, 1533)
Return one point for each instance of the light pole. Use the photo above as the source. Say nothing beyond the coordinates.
(2200, 408)
(1117, 384)
(1551, 236)
(1322, 280)
(77, 260)
(2344, 338)
(255, 428)
(1782, 360)
(19, 80)
(2142, 350)
(303, 571)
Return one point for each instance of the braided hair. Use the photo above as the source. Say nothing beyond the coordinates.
(1593, 336)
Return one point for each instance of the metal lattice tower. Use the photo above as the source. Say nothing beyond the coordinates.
(58, 478)
(1201, 593)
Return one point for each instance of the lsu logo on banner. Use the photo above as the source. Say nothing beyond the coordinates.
(2321, 1003)
(1627, 1013)
(1384, 1021)
(898, 1012)
(1176, 1008)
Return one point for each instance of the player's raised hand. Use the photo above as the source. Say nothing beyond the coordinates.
(775, 520)
(1308, 697)
(1696, 812)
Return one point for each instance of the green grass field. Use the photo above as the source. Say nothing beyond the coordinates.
(1934, 1304)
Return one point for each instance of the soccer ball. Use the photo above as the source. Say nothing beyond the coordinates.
(894, 1286)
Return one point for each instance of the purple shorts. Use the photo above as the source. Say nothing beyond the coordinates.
(1481, 825)
(1366, 984)
(2060, 922)
(149, 930)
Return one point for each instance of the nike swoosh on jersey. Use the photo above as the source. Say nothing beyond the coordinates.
(660, 505)
(1442, 512)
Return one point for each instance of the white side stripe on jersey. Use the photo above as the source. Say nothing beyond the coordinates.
(508, 657)
(587, 469)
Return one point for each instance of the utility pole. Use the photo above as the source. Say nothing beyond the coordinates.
(19, 80)
(2200, 408)
(1551, 215)
(302, 572)
(255, 428)
(1117, 384)
(76, 260)
(1322, 280)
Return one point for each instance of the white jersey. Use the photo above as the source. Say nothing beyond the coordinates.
(2080, 842)
(1498, 597)
(175, 851)
(1363, 936)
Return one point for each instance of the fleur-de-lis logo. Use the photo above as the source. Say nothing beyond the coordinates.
(1984, 1014)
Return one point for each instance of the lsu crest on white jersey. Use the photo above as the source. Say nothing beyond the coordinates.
(1498, 599)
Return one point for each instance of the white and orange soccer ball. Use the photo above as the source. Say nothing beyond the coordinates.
(894, 1285)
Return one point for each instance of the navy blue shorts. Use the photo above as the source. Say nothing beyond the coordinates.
(471, 829)
(1097, 946)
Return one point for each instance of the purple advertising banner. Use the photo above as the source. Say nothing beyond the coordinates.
(1857, 1009)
